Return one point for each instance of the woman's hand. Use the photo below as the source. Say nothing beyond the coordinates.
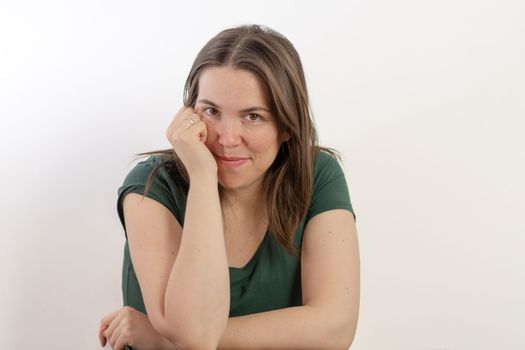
(129, 327)
(187, 134)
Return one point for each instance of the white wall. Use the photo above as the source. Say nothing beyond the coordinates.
(424, 98)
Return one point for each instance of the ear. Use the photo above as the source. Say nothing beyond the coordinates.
(285, 136)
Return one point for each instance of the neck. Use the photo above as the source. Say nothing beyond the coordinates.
(250, 199)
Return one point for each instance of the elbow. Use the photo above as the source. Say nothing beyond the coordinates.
(342, 333)
(339, 329)
(192, 343)
(344, 341)
(190, 338)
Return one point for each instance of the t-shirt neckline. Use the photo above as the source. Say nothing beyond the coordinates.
(255, 256)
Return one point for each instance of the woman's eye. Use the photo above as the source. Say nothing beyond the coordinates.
(253, 117)
(211, 111)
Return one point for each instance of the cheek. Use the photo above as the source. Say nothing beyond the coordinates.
(266, 147)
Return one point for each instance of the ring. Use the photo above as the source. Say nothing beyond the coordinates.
(190, 120)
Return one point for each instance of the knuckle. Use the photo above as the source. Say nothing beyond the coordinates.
(126, 333)
(126, 321)
(127, 313)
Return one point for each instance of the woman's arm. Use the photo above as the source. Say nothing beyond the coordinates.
(183, 276)
(183, 273)
(330, 287)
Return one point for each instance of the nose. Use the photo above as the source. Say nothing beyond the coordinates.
(229, 132)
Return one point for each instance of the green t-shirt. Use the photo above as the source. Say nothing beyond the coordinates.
(272, 278)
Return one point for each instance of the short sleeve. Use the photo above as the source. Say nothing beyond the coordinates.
(330, 187)
(162, 189)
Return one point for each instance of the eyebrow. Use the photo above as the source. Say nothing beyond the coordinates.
(246, 110)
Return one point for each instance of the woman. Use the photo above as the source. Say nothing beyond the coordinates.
(245, 237)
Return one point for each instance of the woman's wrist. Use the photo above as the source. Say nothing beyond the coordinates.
(205, 180)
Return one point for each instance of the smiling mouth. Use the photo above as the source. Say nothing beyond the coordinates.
(231, 158)
(231, 162)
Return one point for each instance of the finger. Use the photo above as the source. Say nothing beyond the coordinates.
(115, 336)
(104, 324)
(120, 343)
(178, 121)
(192, 119)
(106, 320)
(101, 337)
(203, 130)
(191, 129)
(182, 114)
(198, 115)
(113, 326)
(194, 132)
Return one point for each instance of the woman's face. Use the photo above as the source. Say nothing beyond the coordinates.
(242, 132)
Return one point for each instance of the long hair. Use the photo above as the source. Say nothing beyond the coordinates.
(288, 183)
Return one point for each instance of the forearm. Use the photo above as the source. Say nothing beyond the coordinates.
(300, 327)
(197, 295)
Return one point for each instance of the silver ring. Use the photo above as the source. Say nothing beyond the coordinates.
(191, 120)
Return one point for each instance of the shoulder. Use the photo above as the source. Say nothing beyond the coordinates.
(140, 173)
(159, 177)
(327, 171)
(330, 189)
(326, 164)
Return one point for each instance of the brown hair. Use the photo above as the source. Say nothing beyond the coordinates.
(288, 183)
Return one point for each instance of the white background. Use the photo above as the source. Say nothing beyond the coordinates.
(425, 99)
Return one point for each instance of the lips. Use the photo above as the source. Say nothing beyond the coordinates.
(231, 158)
(231, 162)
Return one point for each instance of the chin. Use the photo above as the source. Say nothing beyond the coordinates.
(234, 182)
(230, 184)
